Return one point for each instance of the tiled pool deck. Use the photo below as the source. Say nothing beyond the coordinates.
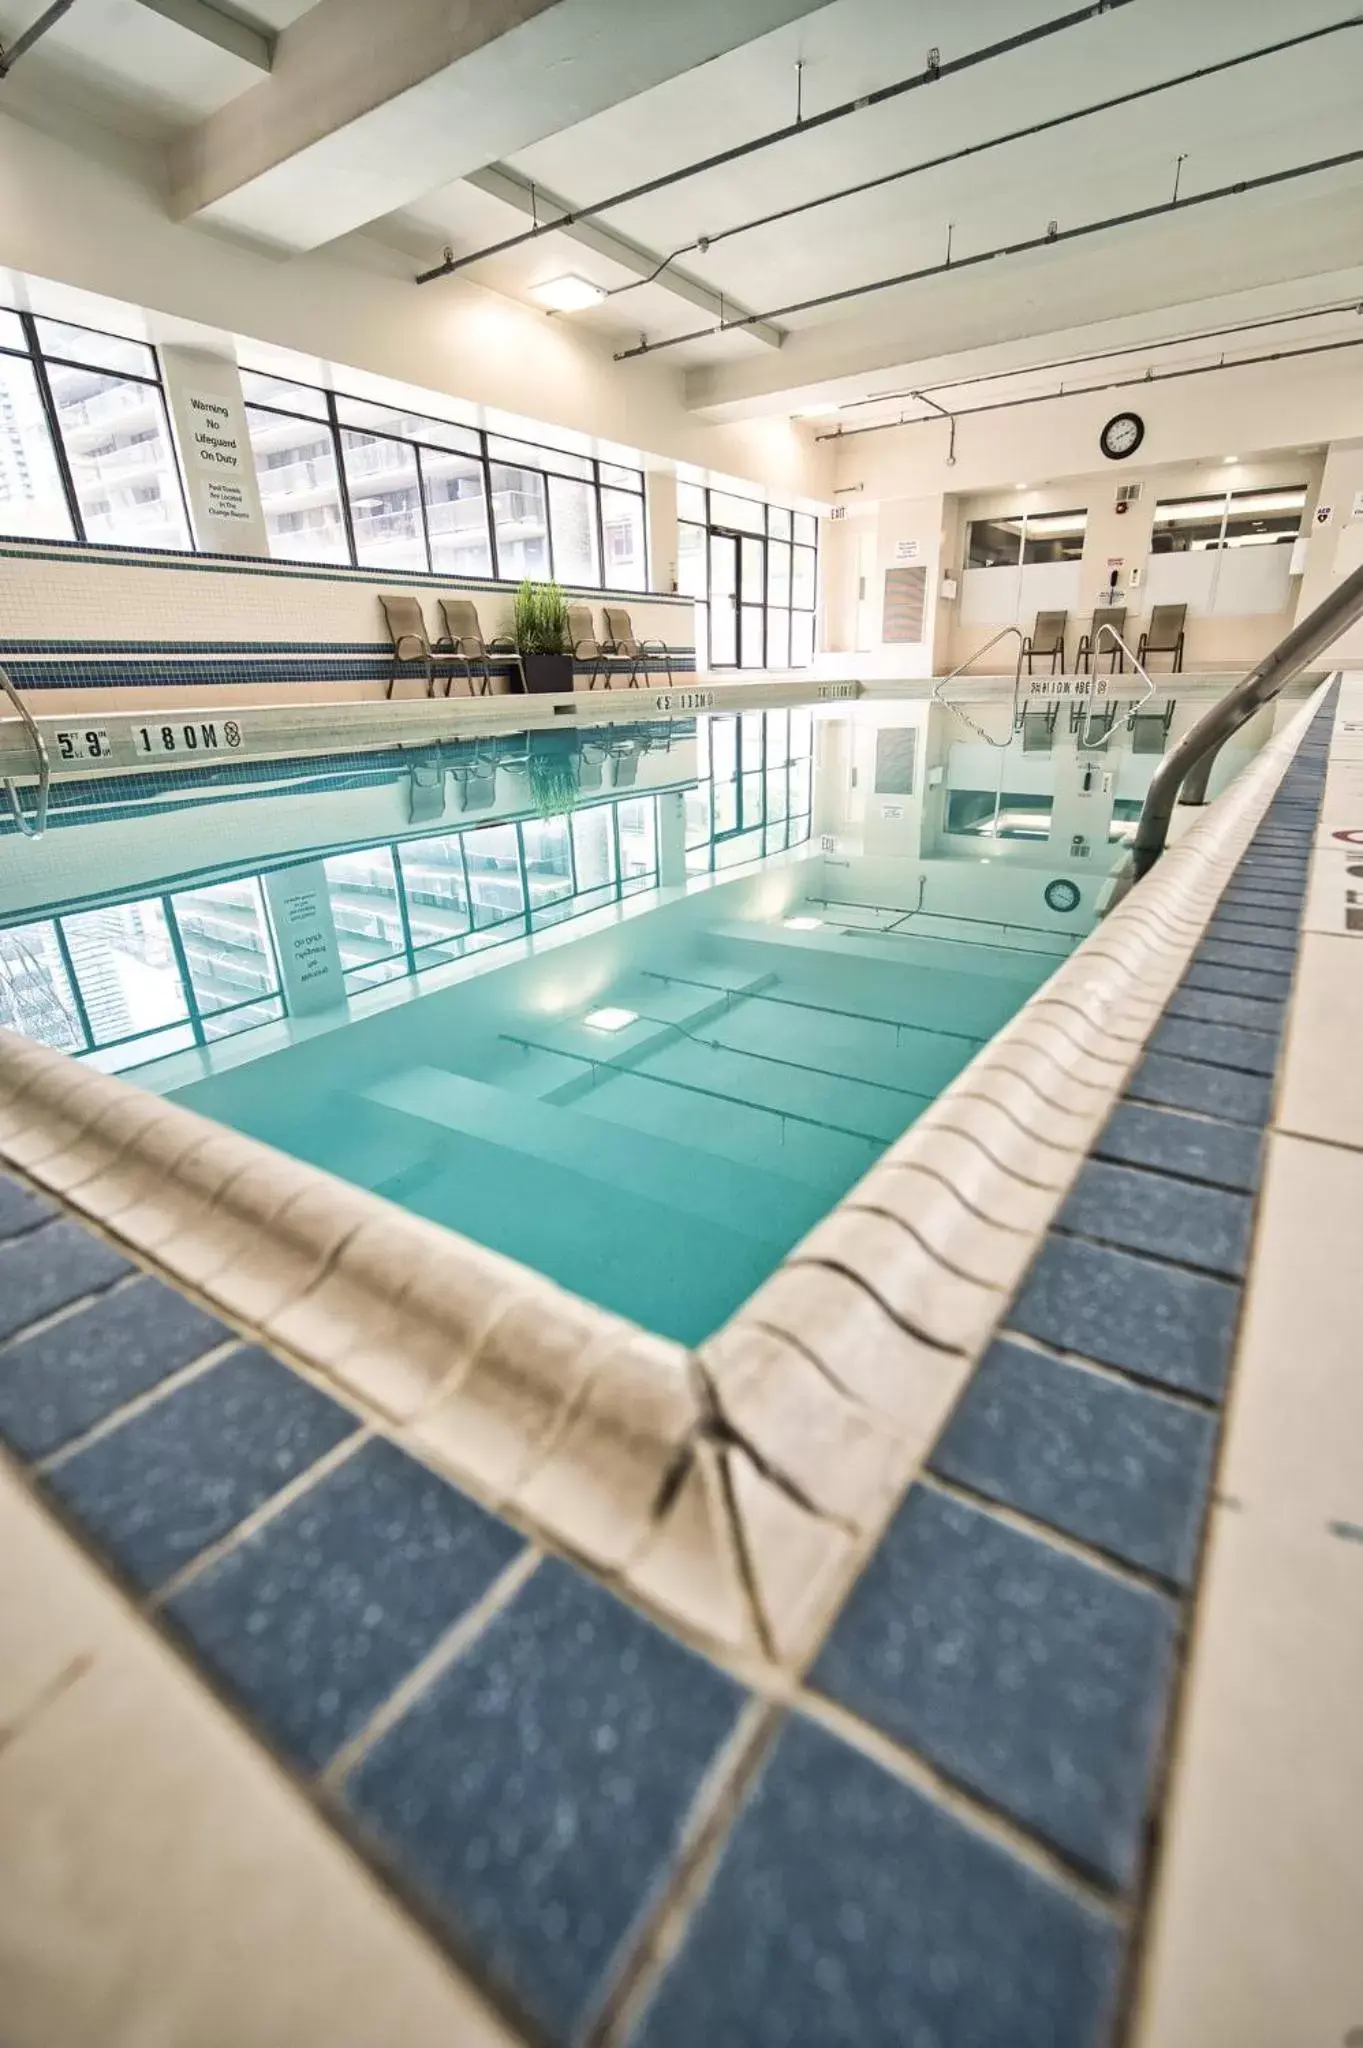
(1055, 1760)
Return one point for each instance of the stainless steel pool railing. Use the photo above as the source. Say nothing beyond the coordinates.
(32, 828)
(1189, 765)
(1088, 744)
(960, 709)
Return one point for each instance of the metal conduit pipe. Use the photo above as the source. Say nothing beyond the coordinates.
(23, 43)
(1052, 238)
(970, 412)
(1199, 747)
(704, 243)
(802, 125)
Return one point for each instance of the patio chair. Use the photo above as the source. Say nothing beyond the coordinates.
(411, 643)
(623, 645)
(1108, 615)
(1047, 639)
(1164, 635)
(584, 643)
(465, 645)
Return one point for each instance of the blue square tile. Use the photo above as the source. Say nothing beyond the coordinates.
(1153, 1320)
(162, 1486)
(1250, 1013)
(48, 1268)
(1224, 1155)
(20, 1208)
(1262, 896)
(1234, 918)
(1021, 1671)
(1260, 983)
(1211, 1091)
(849, 1911)
(58, 1384)
(1274, 950)
(537, 1791)
(313, 1620)
(1219, 1045)
(1152, 1212)
(1117, 1466)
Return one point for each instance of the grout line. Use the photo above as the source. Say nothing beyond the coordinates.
(1120, 1375)
(643, 1956)
(971, 1808)
(68, 1309)
(1107, 1561)
(150, 1397)
(1314, 1138)
(1161, 1173)
(46, 1696)
(301, 1483)
(451, 1645)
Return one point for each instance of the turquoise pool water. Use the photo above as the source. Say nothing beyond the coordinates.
(662, 1168)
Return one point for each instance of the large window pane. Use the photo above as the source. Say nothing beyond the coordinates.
(389, 419)
(638, 840)
(778, 522)
(299, 492)
(226, 942)
(778, 639)
(1264, 518)
(690, 501)
(806, 528)
(572, 510)
(993, 543)
(494, 874)
(1186, 525)
(622, 523)
(1054, 536)
(98, 351)
(385, 502)
(433, 881)
(520, 452)
(752, 652)
(12, 331)
(365, 910)
(691, 559)
(32, 503)
(456, 513)
(126, 967)
(802, 579)
(304, 399)
(122, 464)
(778, 572)
(594, 847)
(801, 639)
(742, 513)
(548, 860)
(36, 998)
(522, 518)
(623, 479)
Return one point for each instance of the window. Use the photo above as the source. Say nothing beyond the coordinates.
(754, 793)
(384, 488)
(85, 445)
(572, 514)
(984, 814)
(297, 470)
(753, 570)
(622, 522)
(521, 518)
(1233, 519)
(1003, 543)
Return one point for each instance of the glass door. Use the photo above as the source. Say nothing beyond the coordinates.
(752, 648)
(723, 599)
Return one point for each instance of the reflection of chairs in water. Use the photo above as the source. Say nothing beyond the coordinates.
(426, 790)
(1164, 635)
(1150, 729)
(465, 646)
(592, 756)
(623, 645)
(1109, 615)
(474, 775)
(1038, 729)
(1047, 640)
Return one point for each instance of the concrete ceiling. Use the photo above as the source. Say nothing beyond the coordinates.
(430, 133)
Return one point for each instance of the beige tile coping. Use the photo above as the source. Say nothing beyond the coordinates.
(733, 1491)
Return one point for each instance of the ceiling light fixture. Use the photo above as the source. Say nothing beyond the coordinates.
(1229, 459)
(610, 1018)
(803, 924)
(568, 294)
(1022, 487)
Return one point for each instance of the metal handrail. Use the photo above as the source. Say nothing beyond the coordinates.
(959, 710)
(1087, 745)
(1198, 748)
(35, 829)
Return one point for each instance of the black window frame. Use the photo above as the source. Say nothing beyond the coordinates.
(712, 528)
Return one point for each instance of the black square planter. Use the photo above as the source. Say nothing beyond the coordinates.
(548, 674)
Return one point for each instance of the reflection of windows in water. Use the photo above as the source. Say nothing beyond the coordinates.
(1021, 815)
(1126, 813)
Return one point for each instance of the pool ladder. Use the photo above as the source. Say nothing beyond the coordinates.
(32, 828)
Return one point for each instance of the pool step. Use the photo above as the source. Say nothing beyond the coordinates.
(746, 1200)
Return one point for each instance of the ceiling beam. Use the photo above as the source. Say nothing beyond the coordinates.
(541, 205)
(226, 31)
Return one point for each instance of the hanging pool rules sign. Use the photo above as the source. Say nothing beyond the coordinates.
(216, 436)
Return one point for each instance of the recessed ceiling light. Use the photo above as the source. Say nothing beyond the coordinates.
(816, 412)
(610, 1018)
(568, 294)
(1228, 459)
(1022, 487)
(803, 924)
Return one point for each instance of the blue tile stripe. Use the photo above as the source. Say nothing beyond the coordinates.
(185, 667)
(528, 1759)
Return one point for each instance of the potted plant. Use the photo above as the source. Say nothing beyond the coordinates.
(542, 637)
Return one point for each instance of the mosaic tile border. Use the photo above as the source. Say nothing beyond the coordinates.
(551, 1778)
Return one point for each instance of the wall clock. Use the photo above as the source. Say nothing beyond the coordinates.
(1122, 435)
